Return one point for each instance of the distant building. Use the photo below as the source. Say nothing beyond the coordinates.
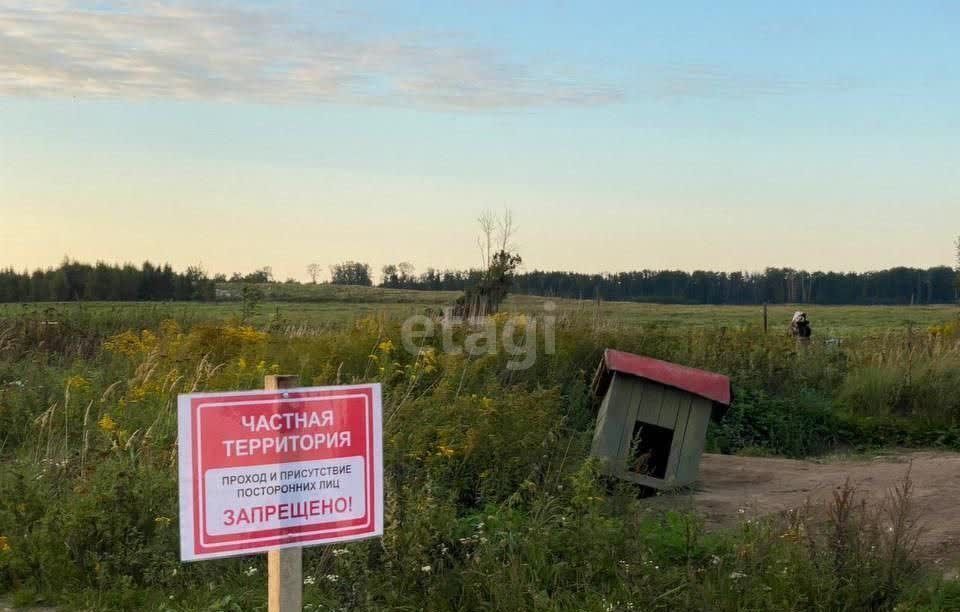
(226, 294)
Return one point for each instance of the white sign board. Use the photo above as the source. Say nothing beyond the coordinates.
(262, 470)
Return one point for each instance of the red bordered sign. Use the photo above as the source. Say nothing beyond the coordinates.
(261, 470)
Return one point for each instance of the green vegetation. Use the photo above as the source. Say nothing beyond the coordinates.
(899, 285)
(318, 305)
(492, 502)
(895, 286)
(73, 280)
(351, 273)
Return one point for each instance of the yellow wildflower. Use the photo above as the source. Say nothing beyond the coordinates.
(169, 328)
(385, 347)
(4, 544)
(428, 359)
(138, 393)
(946, 330)
(445, 451)
(125, 343)
(107, 424)
(128, 343)
(78, 383)
(243, 334)
(162, 521)
(148, 339)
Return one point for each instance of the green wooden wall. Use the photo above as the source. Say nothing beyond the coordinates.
(630, 399)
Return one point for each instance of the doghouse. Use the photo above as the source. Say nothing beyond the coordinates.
(652, 423)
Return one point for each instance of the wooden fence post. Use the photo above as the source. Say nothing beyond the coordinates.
(285, 565)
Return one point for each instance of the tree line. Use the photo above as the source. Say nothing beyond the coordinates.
(901, 285)
(78, 281)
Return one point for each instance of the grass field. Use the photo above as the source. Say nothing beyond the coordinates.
(328, 304)
(493, 502)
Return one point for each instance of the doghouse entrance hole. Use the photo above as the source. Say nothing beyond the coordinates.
(650, 450)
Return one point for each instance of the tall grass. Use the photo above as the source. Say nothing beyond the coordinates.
(492, 502)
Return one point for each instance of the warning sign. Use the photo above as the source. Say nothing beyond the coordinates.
(273, 469)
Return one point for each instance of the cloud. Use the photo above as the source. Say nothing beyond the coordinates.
(206, 51)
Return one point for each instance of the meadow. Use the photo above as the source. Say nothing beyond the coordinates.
(492, 500)
(330, 304)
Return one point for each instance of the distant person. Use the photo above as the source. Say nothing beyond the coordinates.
(800, 326)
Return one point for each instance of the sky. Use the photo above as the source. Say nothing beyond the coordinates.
(621, 135)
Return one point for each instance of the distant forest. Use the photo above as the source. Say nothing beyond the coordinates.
(76, 281)
(938, 285)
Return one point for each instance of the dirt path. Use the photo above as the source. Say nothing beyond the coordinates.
(760, 485)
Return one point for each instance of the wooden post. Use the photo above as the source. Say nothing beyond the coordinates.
(764, 317)
(285, 565)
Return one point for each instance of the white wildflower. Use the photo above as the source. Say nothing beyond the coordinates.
(426, 569)
(737, 575)
(250, 571)
(310, 580)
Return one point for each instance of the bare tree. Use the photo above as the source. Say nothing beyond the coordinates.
(496, 234)
(485, 239)
(505, 230)
(314, 271)
(499, 263)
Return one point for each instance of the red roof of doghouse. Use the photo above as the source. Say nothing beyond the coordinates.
(710, 385)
